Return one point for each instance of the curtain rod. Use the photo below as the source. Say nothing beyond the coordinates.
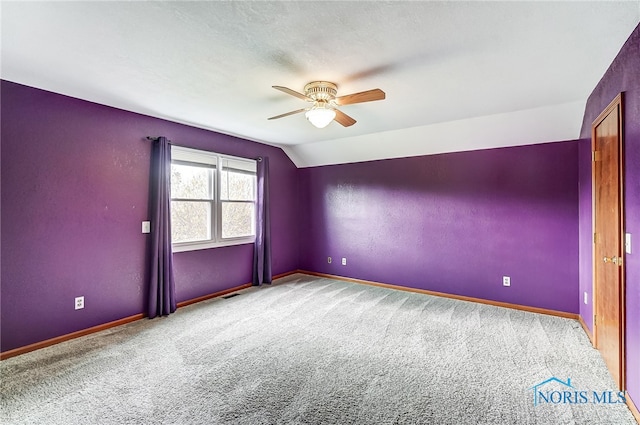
(155, 138)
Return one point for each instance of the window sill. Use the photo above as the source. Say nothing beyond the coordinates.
(195, 246)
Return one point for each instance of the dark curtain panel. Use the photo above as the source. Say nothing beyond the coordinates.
(262, 246)
(162, 298)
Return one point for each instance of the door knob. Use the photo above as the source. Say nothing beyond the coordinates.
(614, 260)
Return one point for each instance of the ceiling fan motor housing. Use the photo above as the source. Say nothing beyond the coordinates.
(321, 91)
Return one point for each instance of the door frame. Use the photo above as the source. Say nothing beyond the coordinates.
(616, 103)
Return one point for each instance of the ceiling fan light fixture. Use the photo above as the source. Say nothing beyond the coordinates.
(320, 116)
(325, 103)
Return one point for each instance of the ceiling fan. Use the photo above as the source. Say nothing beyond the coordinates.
(325, 103)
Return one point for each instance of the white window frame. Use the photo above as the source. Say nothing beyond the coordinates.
(186, 156)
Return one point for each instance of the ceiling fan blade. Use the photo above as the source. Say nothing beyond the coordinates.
(287, 114)
(363, 96)
(343, 119)
(292, 92)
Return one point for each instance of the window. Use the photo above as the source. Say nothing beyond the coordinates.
(213, 199)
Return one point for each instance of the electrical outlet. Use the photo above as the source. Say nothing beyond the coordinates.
(586, 298)
(344, 261)
(329, 260)
(506, 281)
(146, 227)
(79, 303)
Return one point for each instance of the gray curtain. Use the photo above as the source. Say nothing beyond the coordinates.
(262, 246)
(162, 298)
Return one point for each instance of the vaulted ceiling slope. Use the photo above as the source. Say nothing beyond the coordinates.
(457, 75)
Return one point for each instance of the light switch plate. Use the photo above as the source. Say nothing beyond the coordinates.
(146, 227)
(627, 243)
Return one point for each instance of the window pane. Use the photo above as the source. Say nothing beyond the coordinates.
(237, 219)
(190, 221)
(237, 186)
(190, 182)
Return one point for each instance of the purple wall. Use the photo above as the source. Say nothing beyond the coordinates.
(623, 76)
(75, 182)
(452, 223)
(585, 237)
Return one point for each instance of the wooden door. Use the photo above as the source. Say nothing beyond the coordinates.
(608, 298)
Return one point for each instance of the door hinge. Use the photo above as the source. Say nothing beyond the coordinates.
(596, 155)
(595, 237)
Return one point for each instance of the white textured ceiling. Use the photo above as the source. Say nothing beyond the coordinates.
(458, 75)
